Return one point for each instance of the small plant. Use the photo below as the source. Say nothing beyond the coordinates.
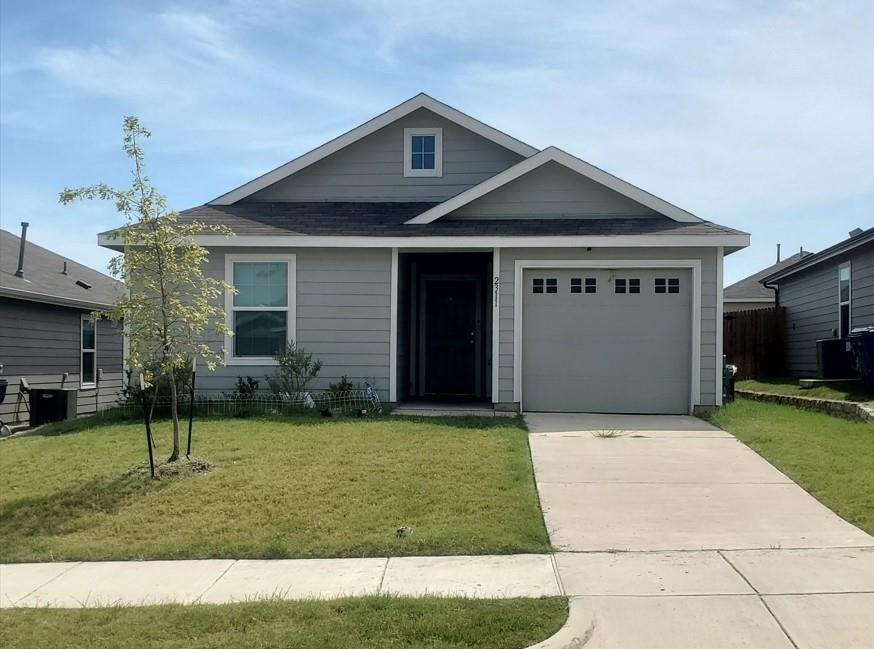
(608, 434)
(342, 386)
(246, 389)
(296, 370)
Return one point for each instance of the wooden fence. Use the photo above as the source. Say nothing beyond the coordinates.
(753, 340)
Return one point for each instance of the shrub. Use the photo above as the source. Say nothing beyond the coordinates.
(246, 389)
(342, 386)
(295, 371)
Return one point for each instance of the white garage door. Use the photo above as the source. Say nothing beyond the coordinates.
(606, 340)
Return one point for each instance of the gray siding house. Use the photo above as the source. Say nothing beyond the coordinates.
(826, 295)
(46, 333)
(438, 258)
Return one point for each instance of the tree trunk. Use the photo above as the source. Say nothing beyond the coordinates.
(175, 414)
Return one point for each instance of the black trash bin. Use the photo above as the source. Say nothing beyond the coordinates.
(862, 340)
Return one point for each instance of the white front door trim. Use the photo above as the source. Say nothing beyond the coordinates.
(693, 264)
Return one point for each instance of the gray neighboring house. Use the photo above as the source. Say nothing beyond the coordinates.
(825, 295)
(439, 258)
(46, 334)
(749, 293)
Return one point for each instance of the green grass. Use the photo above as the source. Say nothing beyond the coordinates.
(361, 623)
(831, 458)
(847, 391)
(280, 488)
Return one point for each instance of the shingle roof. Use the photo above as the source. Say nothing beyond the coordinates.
(388, 220)
(44, 280)
(751, 288)
(857, 238)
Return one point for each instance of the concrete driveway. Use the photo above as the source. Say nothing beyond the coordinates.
(672, 533)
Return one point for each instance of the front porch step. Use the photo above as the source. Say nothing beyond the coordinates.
(448, 410)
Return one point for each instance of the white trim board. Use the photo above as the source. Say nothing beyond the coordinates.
(419, 101)
(496, 324)
(393, 330)
(291, 321)
(728, 240)
(720, 259)
(693, 264)
(554, 154)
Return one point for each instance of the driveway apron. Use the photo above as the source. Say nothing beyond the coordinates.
(672, 533)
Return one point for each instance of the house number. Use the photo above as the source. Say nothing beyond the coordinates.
(497, 284)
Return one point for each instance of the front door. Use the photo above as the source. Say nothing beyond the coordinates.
(450, 337)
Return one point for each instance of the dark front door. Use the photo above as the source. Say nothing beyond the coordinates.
(451, 337)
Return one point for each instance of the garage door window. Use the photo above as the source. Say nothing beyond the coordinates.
(590, 286)
(627, 285)
(667, 284)
(538, 284)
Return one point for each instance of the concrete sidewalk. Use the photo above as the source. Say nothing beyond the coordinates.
(674, 535)
(108, 583)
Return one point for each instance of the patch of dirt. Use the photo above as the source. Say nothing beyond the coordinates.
(184, 466)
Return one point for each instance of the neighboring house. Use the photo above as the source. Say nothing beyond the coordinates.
(825, 295)
(46, 333)
(439, 258)
(749, 293)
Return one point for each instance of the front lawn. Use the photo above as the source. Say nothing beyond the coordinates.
(361, 623)
(831, 458)
(847, 391)
(304, 488)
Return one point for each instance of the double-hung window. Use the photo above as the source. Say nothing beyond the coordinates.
(88, 352)
(261, 314)
(845, 292)
(423, 152)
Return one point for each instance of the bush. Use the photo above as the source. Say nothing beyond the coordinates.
(296, 370)
(342, 386)
(246, 389)
(132, 393)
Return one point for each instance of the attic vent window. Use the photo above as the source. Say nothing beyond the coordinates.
(423, 152)
(83, 284)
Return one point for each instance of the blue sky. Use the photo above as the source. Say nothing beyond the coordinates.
(755, 114)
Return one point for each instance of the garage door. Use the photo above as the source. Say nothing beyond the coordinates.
(606, 341)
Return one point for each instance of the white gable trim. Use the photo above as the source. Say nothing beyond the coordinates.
(419, 101)
(554, 154)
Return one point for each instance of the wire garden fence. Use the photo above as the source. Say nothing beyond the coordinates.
(361, 402)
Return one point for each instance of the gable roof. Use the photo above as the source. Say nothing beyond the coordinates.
(554, 154)
(861, 238)
(750, 289)
(419, 101)
(44, 280)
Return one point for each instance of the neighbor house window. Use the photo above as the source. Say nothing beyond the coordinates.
(423, 152)
(845, 290)
(88, 353)
(261, 313)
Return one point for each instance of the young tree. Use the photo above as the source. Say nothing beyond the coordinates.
(170, 304)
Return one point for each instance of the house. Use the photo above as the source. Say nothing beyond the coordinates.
(439, 258)
(47, 337)
(749, 293)
(825, 295)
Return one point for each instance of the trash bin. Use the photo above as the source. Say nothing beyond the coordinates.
(729, 372)
(862, 341)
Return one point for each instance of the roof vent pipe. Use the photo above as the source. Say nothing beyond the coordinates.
(856, 232)
(64, 272)
(778, 253)
(20, 271)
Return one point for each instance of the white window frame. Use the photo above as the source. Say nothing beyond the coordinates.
(849, 300)
(90, 384)
(437, 171)
(291, 308)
